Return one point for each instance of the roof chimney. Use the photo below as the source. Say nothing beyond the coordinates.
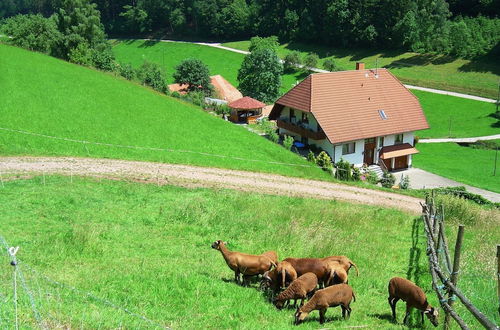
(360, 66)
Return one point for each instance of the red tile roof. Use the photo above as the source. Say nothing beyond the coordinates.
(346, 104)
(246, 103)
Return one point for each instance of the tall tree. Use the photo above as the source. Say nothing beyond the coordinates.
(80, 25)
(195, 74)
(260, 75)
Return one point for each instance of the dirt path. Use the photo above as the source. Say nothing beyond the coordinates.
(193, 176)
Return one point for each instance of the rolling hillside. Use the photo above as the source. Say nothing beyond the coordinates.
(44, 95)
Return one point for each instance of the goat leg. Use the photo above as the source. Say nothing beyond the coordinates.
(392, 303)
(343, 311)
(322, 313)
(407, 314)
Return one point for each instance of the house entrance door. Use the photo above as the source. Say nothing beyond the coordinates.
(369, 151)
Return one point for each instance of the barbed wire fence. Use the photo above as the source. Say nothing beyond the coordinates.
(44, 303)
(444, 271)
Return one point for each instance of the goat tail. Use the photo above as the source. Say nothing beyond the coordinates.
(353, 297)
(329, 281)
(353, 264)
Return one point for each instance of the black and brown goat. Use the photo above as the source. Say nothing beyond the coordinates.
(400, 288)
(332, 296)
(300, 288)
(246, 264)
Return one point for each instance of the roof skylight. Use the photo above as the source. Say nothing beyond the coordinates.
(382, 114)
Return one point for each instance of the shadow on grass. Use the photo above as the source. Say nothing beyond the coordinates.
(421, 60)
(385, 316)
(485, 63)
(413, 272)
(495, 115)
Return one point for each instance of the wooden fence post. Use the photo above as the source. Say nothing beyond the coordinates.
(456, 268)
(498, 275)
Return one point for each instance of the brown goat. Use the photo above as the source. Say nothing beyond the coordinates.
(300, 288)
(344, 261)
(287, 273)
(336, 273)
(400, 288)
(246, 264)
(332, 296)
(305, 265)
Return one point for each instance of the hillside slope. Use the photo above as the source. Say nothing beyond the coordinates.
(44, 95)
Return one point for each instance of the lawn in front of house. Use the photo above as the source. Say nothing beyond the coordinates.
(476, 77)
(467, 165)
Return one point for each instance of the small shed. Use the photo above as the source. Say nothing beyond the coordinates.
(245, 110)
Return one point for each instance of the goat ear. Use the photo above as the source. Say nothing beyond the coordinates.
(427, 311)
(225, 243)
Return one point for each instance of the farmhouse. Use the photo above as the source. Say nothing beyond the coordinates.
(362, 116)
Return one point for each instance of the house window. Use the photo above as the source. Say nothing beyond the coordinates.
(348, 148)
(398, 138)
(292, 116)
(381, 142)
(305, 118)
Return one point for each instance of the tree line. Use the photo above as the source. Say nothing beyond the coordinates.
(464, 28)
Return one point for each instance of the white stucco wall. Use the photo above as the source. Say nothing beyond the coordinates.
(355, 158)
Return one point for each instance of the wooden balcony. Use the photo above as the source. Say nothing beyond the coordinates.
(301, 130)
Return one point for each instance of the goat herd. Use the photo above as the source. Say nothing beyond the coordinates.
(300, 278)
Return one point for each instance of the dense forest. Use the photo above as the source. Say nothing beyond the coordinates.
(464, 28)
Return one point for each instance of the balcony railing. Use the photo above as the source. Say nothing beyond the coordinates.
(302, 131)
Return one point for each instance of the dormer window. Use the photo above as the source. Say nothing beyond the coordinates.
(382, 114)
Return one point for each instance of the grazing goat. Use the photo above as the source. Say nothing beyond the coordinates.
(287, 273)
(344, 261)
(331, 296)
(400, 288)
(300, 288)
(305, 265)
(336, 273)
(246, 264)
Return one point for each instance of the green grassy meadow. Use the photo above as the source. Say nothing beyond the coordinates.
(463, 164)
(48, 96)
(170, 54)
(477, 77)
(147, 248)
(454, 117)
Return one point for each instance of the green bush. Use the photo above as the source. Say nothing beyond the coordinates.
(311, 158)
(81, 54)
(292, 61)
(195, 74)
(356, 174)
(371, 177)
(405, 182)
(258, 43)
(324, 161)
(330, 65)
(387, 180)
(32, 32)
(461, 192)
(343, 170)
(273, 136)
(153, 75)
(176, 94)
(103, 60)
(288, 142)
(460, 211)
(311, 60)
(126, 71)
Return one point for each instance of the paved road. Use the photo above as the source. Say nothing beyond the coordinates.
(420, 179)
(193, 176)
(461, 140)
(430, 90)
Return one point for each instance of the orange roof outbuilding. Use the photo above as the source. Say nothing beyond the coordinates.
(357, 104)
(246, 103)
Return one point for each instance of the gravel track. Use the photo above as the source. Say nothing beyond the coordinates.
(194, 176)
